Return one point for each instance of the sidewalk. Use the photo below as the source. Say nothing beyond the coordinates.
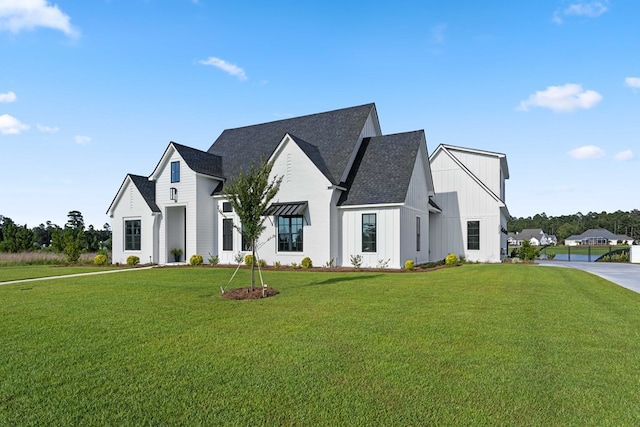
(71, 275)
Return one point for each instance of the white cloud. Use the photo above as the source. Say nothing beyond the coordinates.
(564, 98)
(18, 15)
(48, 129)
(228, 68)
(624, 155)
(586, 152)
(437, 33)
(591, 9)
(633, 82)
(8, 97)
(82, 140)
(9, 125)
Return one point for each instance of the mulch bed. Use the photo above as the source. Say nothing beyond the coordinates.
(246, 293)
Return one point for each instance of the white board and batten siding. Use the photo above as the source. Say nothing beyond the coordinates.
(301, 181)
(387, 235)
(132, 206)
(416, 206)
(187, 222)
(462, 199)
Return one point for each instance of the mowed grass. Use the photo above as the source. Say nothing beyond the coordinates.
(471, 345)
(21, 272)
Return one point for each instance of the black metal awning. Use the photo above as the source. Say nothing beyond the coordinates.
(286, 209)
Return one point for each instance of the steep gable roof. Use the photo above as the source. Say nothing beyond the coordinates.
(330, 138)
(599, 232)
(382, 170)
(443, 148)
(146, 188)
(198, 161)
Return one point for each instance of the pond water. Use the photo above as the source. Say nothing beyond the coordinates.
(574, 257)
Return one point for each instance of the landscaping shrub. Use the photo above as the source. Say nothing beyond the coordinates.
(306, 263)
(196, 260)
(100, 259)
(133, 260)
(214, 260)
(248, 260)
(409, 264)
(276, 265)
(262, 263)
(451, 259)
(527, 251)
(356, 261)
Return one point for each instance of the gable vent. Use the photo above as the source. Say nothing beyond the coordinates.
(289, 167)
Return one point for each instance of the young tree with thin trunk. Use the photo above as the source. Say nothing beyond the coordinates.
(250, 194)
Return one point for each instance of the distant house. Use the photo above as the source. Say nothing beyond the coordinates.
(347, 191)
(597, 236)
(535, 236)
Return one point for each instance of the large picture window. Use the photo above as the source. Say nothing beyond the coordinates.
(175, 171)
(227, 234)
(368, 232)
(132, 235)
(473, 235)
(290, 236)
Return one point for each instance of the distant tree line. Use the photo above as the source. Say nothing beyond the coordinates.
(72, 239)
(618, 222)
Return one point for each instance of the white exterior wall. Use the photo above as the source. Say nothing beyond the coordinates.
(302, 181)
(461, 200)
(485, 167)
(178, 227)
(416, 205)
(132, 206)
(206, 217)
(387, 238)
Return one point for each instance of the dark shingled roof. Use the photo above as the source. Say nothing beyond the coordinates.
(328, 139)
(382, 169)
(147, 189)
(200, 161)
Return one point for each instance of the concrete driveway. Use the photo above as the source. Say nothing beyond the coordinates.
(625, 275)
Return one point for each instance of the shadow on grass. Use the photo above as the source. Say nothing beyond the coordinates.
(343, 278)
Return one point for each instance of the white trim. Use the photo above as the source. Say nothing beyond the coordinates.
(372, 206)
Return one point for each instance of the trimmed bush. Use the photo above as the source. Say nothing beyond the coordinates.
(277, 265)
(133, 260)
(100, 260)
(409, 264)
(451, 259)
(262, 263)
(248, 260)
(196, 260)
(306, 263)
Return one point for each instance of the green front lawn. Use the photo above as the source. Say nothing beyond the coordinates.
(472, 345)
(20, 272)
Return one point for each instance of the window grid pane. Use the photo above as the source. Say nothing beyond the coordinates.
(227, 234)
(368, 232)
(175, 171)
(418, 234)
(132, 240)
(473, 235)
(290, 233)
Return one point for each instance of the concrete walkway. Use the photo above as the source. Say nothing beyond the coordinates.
(625, 275)
(72, 275)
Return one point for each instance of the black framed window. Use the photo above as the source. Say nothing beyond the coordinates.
(227, 234)
(175, 171)
(132, 235)
(369, 232)
(290, 233)
(418, 233)
(473, 235)
(226, 207)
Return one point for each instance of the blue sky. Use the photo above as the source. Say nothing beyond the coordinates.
(93, 90)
